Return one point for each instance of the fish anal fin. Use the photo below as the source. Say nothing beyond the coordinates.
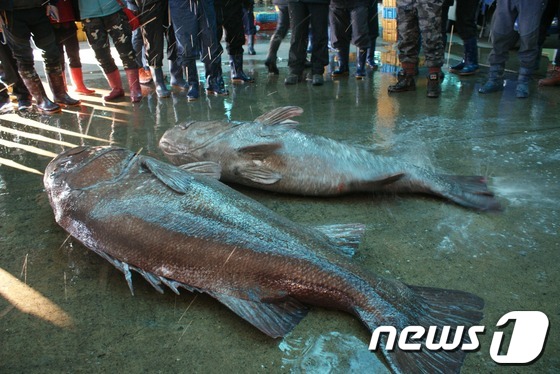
(280, 115)
(346, 237)
(172, 176)
(275, 319)
(259, 174)
(260, 151)
(209, 169)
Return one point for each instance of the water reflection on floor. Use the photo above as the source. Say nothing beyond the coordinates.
(510, 259)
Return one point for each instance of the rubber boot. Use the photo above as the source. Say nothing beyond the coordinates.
(58, 88)
(251, 45)
(271, 58)
(495, 80)
(361, 64)
(471, 58)
(405, 79)
(36, 89)
(434, 82)
(213, 84)
(115, 82)
(237, 73)
(78, 80)
(522, 89)
(177, 78)
(159, 81)
(192, 78)
(370, 57)
(553, 78)
(134, 85)
(343, 56)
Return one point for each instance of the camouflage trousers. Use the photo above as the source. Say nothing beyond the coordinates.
(420, 21)
(98, 31)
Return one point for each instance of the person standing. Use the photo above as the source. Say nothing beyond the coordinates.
(419, 20)
(527, 14)
(104, 18)
(465, 23)
(28, 19)
(349, 22)
(282, 27)
(304, 13)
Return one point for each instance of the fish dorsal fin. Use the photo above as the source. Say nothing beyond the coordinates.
(345, 237)
(259, 174)
(275, 319)
(260, 151)
(280, 115)
(209, 169)
(173, 177)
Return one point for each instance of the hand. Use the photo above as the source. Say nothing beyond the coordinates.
(52, 12)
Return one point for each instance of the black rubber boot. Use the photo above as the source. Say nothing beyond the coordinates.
(271, 58)
(214, 79)
(471, 58)
(159, 81)
(177, 76)
(192, 78)
(370, 58)
(405, 82)
(342, 69)
(58, 88)
(361, 64)
(36, 89)
(251, 45)
(237, 73)
(434, 85)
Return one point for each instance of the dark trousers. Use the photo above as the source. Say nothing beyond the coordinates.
(10, 76)
(229, 18)
(98, 31)
(301, 16)
(153, 31)
(528, 15)
(24, 24)
(552, 9)
(195, 31)
(283, 23)
(67, 40)
(466, 18)
(349, 24)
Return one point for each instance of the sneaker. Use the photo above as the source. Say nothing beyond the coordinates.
(404, 83)
(317, 80)
(6, 106)
(292, 79)
(434, 85)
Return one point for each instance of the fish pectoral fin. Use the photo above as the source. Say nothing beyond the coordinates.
(259, 174)
(382, 180)
(275, 319)
(260, 151)
(345, 237)
(279, 115)
(207, 168)
(173, 177)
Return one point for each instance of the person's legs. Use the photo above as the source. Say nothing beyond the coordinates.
(299, 18)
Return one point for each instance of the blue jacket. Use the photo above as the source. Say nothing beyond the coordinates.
(98, 8)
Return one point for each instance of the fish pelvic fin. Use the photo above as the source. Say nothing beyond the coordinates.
(259, 174)
(346, 237)
(173, 177)
(470, 192)
(280, 115)
(275, 318)
(439, 307)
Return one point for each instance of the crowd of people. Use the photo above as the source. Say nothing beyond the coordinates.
(193, 30)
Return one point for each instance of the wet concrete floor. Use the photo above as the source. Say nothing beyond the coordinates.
(86, 320)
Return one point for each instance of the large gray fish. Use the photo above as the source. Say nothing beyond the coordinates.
(271, 154)
(183, 229)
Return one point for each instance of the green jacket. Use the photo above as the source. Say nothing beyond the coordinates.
(98, 8)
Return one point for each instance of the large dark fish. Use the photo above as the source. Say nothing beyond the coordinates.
(181, 229)
(271, 154)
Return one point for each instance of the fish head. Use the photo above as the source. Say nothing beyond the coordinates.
(85, 167)
(190, 141)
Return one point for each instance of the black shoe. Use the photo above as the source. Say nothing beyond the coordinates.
(404, 83)
(434, 85)
(24, 104)
(317, 80)
(292, 79)
(272, 67)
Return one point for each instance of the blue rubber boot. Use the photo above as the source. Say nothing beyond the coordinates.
(192, 79)
(495, 80)
(471, 57)
(361, 64)
(522, 90)
(161, 88)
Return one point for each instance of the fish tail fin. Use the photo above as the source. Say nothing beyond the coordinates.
(471, 192)
(438, 307)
